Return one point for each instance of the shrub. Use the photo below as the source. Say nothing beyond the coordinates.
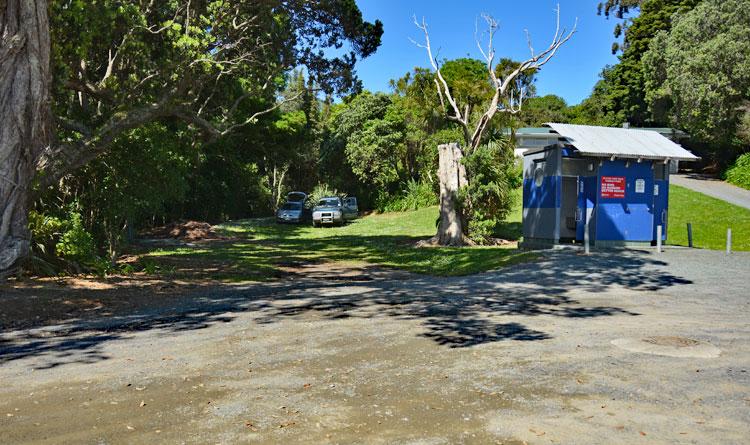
(415, 196)
(45, 231)
(320, 191)
(62, 244)
(76, 243)
(739, 173)
(493, 174)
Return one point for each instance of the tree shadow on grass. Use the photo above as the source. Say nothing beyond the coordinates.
(453, 312)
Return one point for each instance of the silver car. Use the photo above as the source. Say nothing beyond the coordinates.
(291, 212)
(334, 210)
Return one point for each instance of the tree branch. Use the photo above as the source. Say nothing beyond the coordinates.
(442, 85)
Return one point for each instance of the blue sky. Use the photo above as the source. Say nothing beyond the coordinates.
(571, 74)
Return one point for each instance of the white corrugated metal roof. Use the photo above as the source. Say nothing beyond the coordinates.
(621, 142)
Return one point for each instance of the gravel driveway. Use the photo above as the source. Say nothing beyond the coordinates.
(626, 347)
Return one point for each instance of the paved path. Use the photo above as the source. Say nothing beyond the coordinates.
(714, 187)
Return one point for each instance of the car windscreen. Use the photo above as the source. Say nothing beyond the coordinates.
(291, 206)
(328, 202)
(296, 196)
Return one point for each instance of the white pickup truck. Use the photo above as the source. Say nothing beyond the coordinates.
(334, 210)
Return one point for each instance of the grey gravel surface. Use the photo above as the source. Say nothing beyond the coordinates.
(713, 187)
(521, 355)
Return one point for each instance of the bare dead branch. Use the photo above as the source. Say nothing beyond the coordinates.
(442, 85)
(502, 86)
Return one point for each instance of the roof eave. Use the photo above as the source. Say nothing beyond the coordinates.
(634, 156)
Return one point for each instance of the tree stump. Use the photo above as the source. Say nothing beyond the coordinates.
(452, 176)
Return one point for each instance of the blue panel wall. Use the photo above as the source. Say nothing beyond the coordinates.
(630, 218)
(545, 196)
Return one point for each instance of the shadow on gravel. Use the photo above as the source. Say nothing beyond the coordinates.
(454, 312)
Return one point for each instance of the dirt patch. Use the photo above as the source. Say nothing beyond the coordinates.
(43, 301)
(676, 342)
(185, 231)
(669, 346)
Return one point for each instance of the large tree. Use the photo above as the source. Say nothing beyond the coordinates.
(24, 123)
(620, 94)
(117, 65)
(473, 116)
(698, 74)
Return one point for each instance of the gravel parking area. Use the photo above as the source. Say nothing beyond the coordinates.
(620, 347)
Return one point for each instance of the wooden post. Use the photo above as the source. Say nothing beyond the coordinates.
(729, 241)
(690, 234)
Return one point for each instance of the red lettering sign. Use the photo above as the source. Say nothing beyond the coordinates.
(613, 187)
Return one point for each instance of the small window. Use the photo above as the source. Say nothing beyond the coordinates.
(539, 175)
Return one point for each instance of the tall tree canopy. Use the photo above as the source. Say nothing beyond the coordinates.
(620, 94)
(215, 64)
(116, 66)
(697, 75)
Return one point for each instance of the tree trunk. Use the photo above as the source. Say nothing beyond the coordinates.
(24, 118)
(452, 176)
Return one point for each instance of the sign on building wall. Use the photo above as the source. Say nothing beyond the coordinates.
(613, 187)
(640, 186)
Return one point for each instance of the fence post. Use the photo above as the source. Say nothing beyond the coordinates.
(729, 241)
(690, 234)
(586, 247)
(658, 239)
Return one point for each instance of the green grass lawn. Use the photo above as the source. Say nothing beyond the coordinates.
(710, 218)
(261, 246)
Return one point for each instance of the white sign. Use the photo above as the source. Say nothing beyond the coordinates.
(640, 186)
(656, 189)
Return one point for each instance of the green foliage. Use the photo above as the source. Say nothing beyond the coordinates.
(698, 74)
(739, 173)
(467, 80)
(319, 192)
(45, 231)
(620, 95)
(375, 149)
(75, 242)
(344, 161)
(492, 174)
(416, 195)
(525, 81)
(62, 243)
(537, 111)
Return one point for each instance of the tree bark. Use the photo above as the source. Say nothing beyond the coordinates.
(452, 176)
(24, 118)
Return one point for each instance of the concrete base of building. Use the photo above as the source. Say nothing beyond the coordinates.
(546, 244)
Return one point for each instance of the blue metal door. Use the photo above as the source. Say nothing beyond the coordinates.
(661, 198)
(585, 206)
(625, 208)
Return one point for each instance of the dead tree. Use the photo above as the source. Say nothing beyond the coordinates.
(452, 229)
